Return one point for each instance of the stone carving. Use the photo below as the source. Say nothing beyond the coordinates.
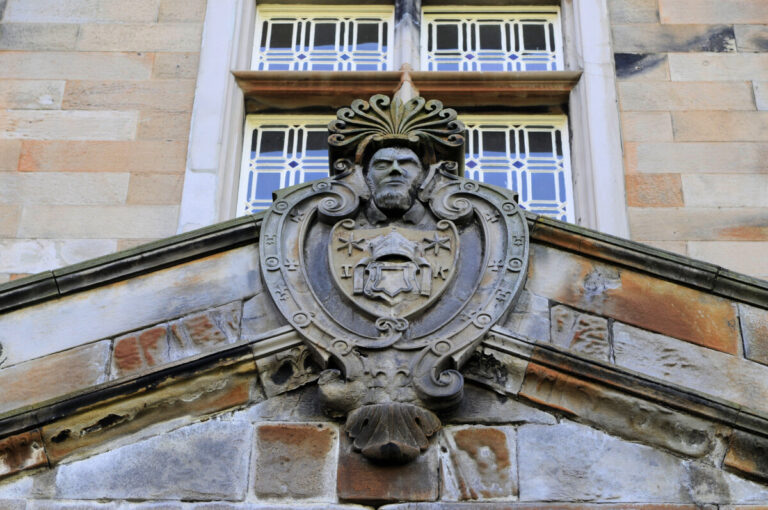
(393, 269)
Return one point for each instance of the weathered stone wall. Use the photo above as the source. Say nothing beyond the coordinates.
(693, 84)
(95, 104)
(246, 428)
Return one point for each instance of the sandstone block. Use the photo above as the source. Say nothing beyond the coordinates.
(754, 331)
(699, 224)
(617, 413)
(656, 38)
(568, 462)
(505, 505)
(713, 11)
(260, 315)
(664, 96)
(499, 371)
(162, 95)
(718, 67)
(654, 190)
(79, 11)
(646, 126)
(287, 370)
(700, 157)
(94, 221)
(175, 66)
(13, 504)
(720, 126)
(529, 317)
(91, 156)
(152, 411)
(707, 371)
(140, 350)
(478, 463)
(641, 66)
(206, 461)
(302, 404)
(37, 36)
(740, 190)
(633, 11)
(75, 65)
(480, 406)
(141, 37)
(581, 333)
(181, 10)
(67, 125)
(743, 256)
(21, 452)
(38, 255)
(65, 188)
(155, 189)
(10, 224)
(111, 310)
(52, 376)
(206, 331)
(761, 94)
(361, 481)
(168, 126)
(295, 461)
(645, 301)
(748, 455)
(31, 94)
(10, 150)
(751, 37)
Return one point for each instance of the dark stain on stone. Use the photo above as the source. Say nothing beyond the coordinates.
(704, 482)
(487, 367)
(2, 8)
(719, 39)
(406, 9)
(61, 436)
(631, 64)
(282, 374)
(108, 421)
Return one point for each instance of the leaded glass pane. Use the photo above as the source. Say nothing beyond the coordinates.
(490, 41)
(527, 154)
(292, 38)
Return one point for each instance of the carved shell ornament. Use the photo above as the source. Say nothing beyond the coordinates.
(393, 269)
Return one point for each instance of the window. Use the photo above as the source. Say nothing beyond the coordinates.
(528, 154)
(308, 38)
(491, 40)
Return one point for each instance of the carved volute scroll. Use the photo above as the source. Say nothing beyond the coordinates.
(393, 269)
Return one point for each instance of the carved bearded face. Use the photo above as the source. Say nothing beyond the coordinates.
(394, 174)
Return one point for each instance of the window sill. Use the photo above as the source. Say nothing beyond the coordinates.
(287, 90)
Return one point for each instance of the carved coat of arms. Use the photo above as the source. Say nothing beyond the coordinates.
(393, 269)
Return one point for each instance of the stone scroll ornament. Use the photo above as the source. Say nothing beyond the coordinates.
(393, 269)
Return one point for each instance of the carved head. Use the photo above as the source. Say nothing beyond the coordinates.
(393, 175)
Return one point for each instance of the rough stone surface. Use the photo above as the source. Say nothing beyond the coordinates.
(529, 317)
(704, 370)
(287, 371)
(20, 452)
(635, 298)
(205, 331)
(260, 315)
(618, 413)
(499, 371)
(361, 481)
(132, 304)
(207, 461)
(140, 350)
(658, 38)
(150, 411)
(478, 463)
(295, 461)
(581, 332)
(754, 331)
(486, 407)
(748, 455)
(302, 404)
(55, 375)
